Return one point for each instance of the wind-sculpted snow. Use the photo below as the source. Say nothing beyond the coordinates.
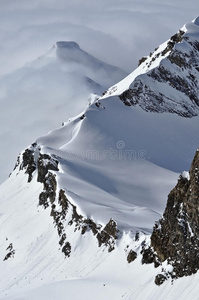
(81, 203)
(69, 221)
(46, 92)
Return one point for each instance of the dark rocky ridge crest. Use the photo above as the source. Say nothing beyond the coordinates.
(44, 166)
(179, 69)
(175, 237)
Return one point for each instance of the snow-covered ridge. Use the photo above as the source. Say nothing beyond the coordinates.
(70, 52)
(63, 86)
(167, 79)
(90, 191)
(52, 204)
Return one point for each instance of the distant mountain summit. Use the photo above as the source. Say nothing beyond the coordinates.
(69, 52)
(62, 82)
(168, 79)
(67, 44)
(80, 205)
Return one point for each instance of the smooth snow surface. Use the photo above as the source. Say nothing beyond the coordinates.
(114, 162)
(117, 32)
(105, 170)
(46, 92)
(39, 270)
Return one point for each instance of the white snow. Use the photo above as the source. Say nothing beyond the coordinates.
(46, 92)
(115, 162)
(185, 174)
(102, 182)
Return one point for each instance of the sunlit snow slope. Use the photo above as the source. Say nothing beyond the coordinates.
(44, 93)
(166, 80)
(79, 207)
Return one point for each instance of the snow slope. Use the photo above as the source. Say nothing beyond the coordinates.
(39, 270)
(167, 80)
(42, 94)
(104, 179)
(114, 161)
(38, 260)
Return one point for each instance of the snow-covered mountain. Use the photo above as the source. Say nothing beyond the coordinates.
(78, 210)
(40, 96)
(166, 80)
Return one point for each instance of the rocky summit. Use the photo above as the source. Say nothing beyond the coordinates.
(167, 79)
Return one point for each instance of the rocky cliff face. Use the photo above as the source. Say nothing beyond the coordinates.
(175, 237)
(174, 64)
(62, 211)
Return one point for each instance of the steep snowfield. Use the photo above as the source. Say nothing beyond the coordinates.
(38, 261)
(44, 93)
(39, 270)
(166, 80)
(105, 173)
(109, 129)
(115, 161)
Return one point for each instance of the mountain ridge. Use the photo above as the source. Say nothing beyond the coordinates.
(89, 193)
(173, 63)
(64, 88)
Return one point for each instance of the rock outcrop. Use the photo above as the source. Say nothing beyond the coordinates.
(174, 64)
(175, 237)
(63, 212)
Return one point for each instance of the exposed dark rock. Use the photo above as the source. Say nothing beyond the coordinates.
(176, 38)
(63, 202)
(143, 59)
(28, 163)
(137, 236)
(175, 237)
(10, 253)
(77, 218)
(17, 163)
(99, 105)
(43, 199)
(63, 238)
(128, 97)
(66, 249)
(131, 256)
(179, 72)
(50, 186)
(159, 279)
(60, 204)
(180, 59)
(108, 235)
(82, 117)
(90, 225)
(149, 257)
(44, 164)
(32, 159)
(111, 228)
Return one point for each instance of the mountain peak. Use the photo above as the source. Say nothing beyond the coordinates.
(69, 51)
(90, 191)
(173, 65)
(67, 45)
